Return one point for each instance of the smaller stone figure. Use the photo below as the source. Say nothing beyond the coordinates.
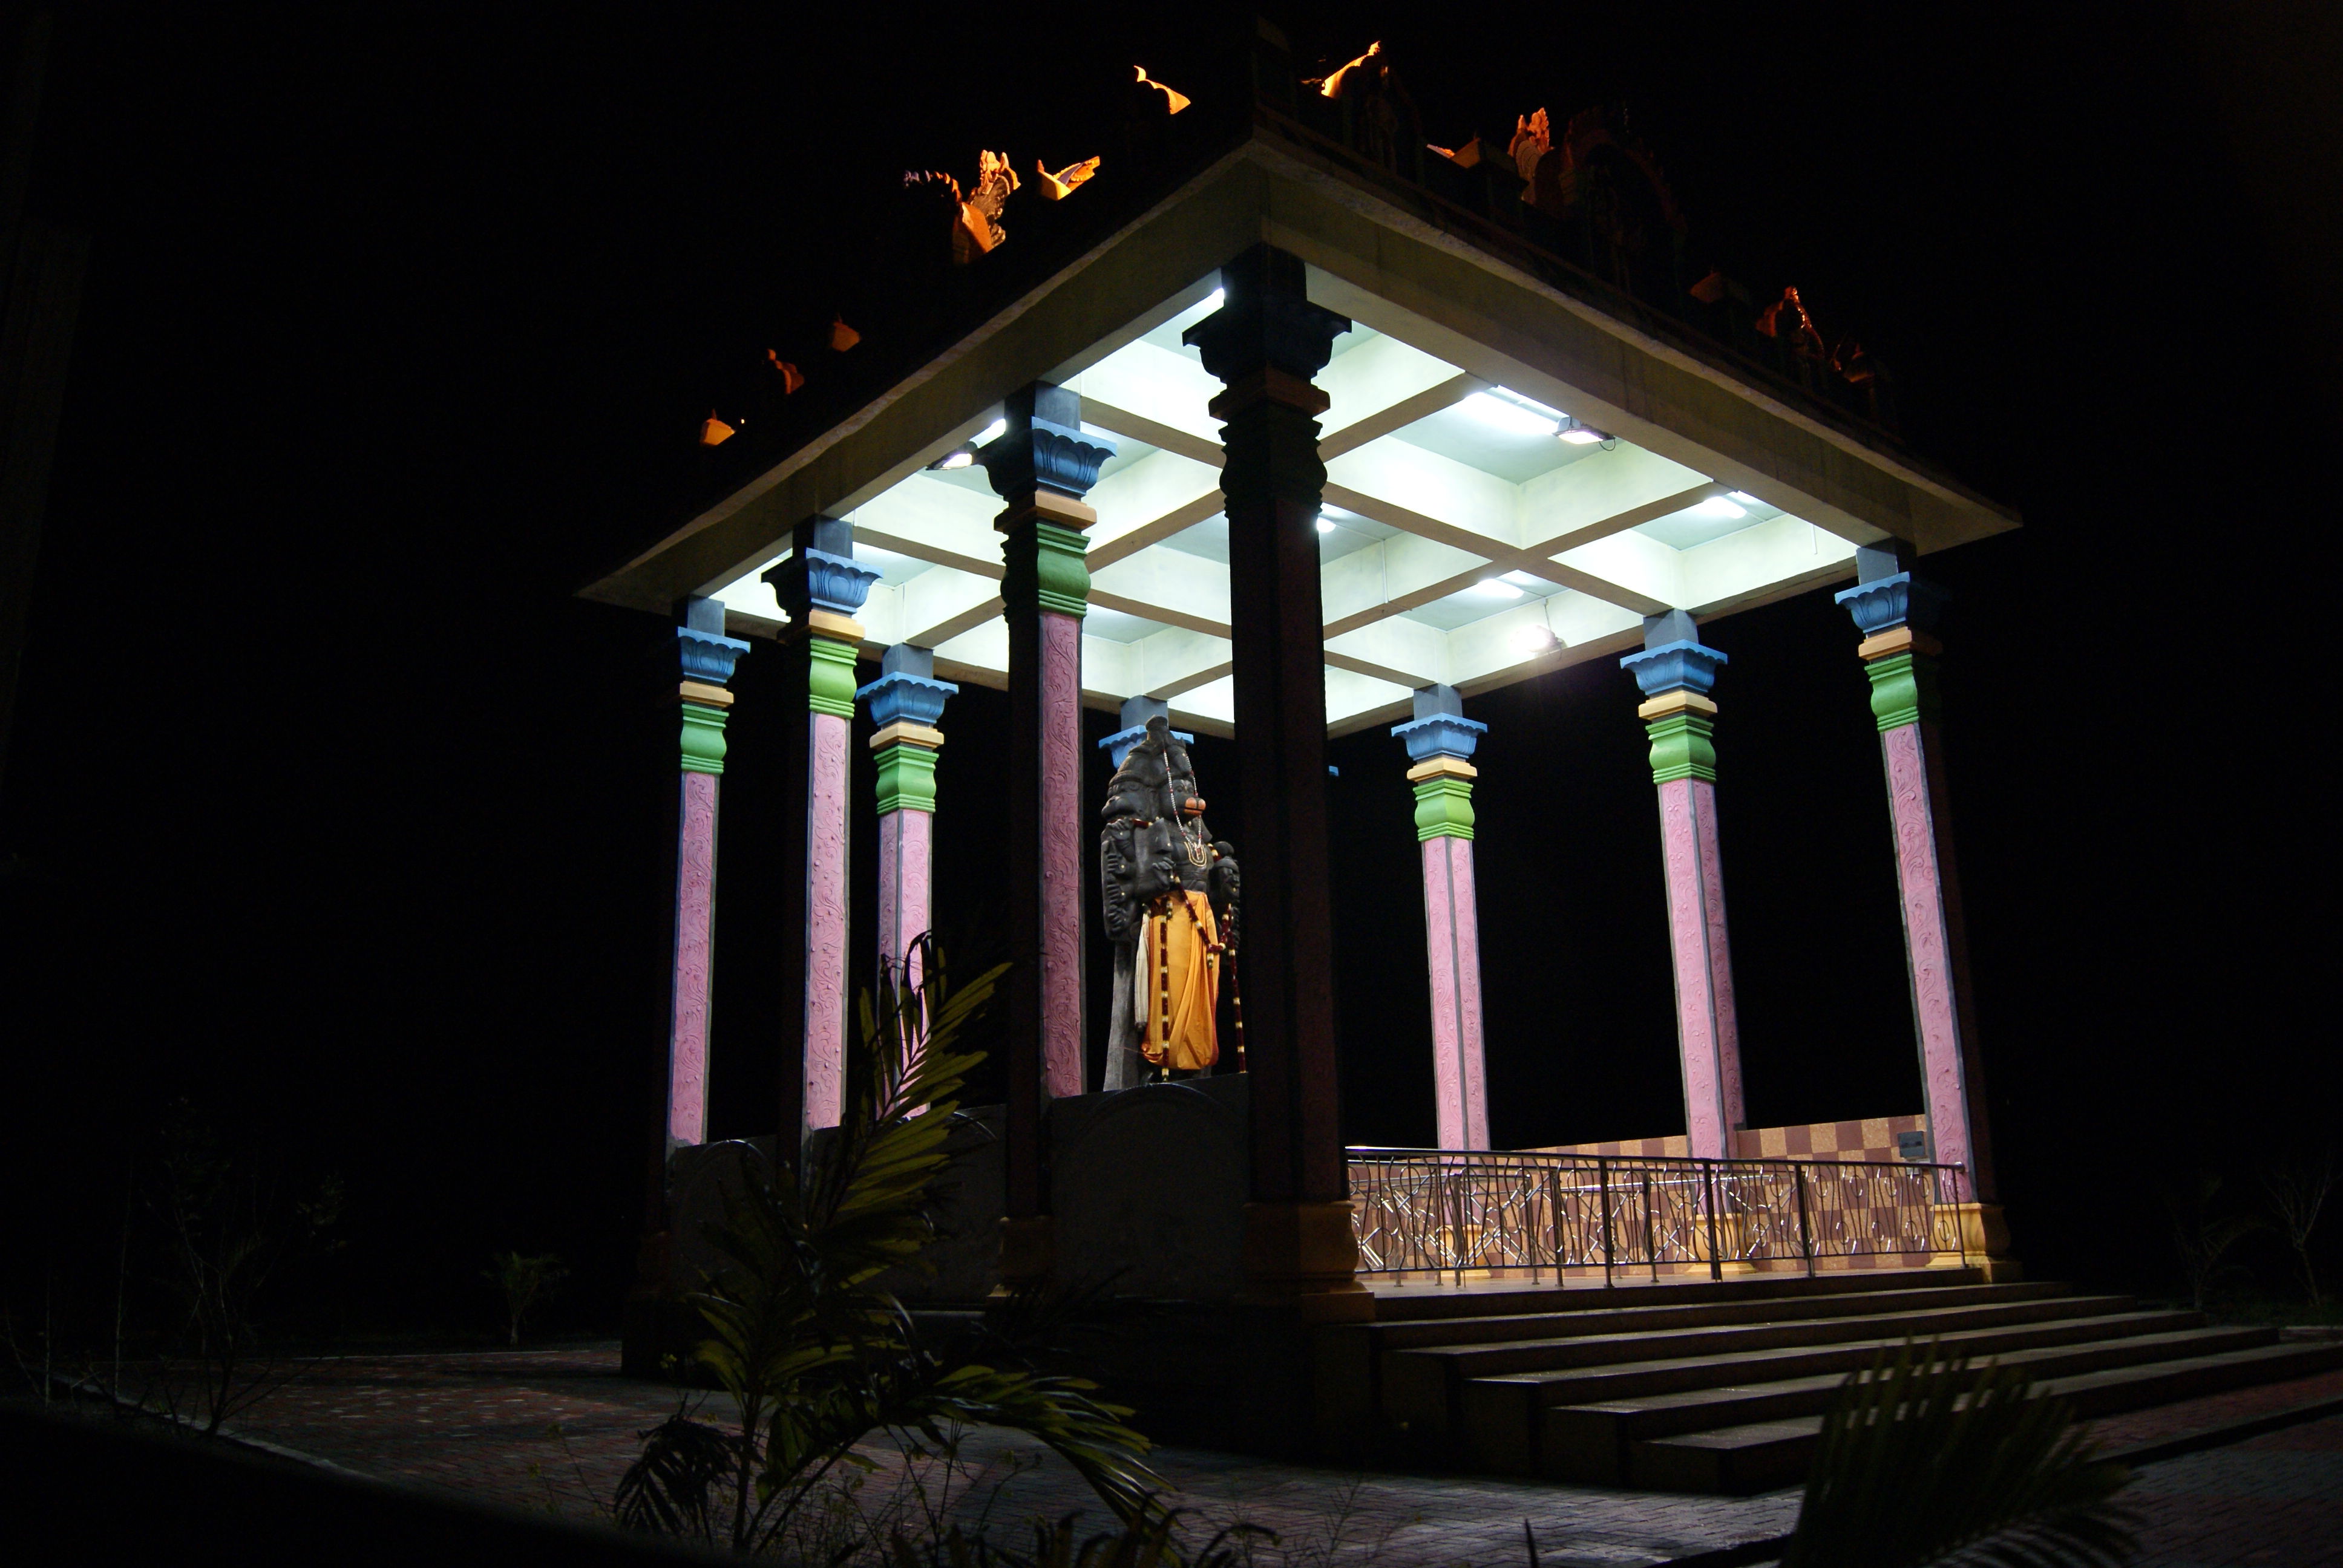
(1170, 900)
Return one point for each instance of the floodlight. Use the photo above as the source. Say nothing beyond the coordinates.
(992, 432)
(1326, 525)
(1717, 506)
(958, 457)
(1499, 414)
(1579, 434)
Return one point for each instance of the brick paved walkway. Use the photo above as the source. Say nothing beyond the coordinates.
(553, 1431)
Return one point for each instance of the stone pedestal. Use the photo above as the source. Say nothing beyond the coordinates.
(1677, 674)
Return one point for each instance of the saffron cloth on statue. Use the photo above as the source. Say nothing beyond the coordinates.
(1170, 908)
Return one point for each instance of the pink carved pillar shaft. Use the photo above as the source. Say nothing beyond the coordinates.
(695, 935)
(707, 656)
(1676, 673)
(820, 586)
(1063, 821)
(1897, 612)
(906, 904)
(1440, 743)
(1452, 929)
(905, 702)
(824, 1083)
(1708, 1035)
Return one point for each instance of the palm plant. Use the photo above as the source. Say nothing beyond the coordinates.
(1925, 1459)
(2298, 1193)
(815, 1353)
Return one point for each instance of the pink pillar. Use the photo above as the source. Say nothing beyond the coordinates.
(1920, 874)
(1451, 928)
(1063, 821)
(707, 656)
(906, 863)
(1677, 674)
(1708, 1037)
(824, 1086)
(695, 933)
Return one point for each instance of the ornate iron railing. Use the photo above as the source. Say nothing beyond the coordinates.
(1436, 1211)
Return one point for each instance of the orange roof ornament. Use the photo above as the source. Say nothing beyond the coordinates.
(1176, 100)
(1332, 86)
(842, 336)
(978, 231)
(714, 432)
(1060, 186)
(792, 376)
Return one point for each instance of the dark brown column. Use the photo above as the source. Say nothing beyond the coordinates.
(1264, 344)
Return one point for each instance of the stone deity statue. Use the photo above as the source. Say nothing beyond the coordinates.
(1171, 898)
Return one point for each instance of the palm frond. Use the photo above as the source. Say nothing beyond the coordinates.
(670, 1489)
(1925, 1459)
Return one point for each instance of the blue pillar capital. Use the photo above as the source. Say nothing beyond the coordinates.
(820, 573)
(1680, 666)
(1136, 712)
(906, 692)
(1045, 447)
(1438, 727)
(703, 653)
(1896, 600)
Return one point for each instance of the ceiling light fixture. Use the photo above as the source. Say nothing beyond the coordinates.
(1523, 579)
(1326, 525)
(1579, 435)
(1497, 587)
(958, 457)
(992, 432)
(1717, 506)
(1746, 499)
(1215, 299)
(1511, 418)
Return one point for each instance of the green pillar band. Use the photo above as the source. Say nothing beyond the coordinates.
(1680, 748)
(1444, 807)
(1044, 568)
(703, 739)
(829, 684)
(907, 777)
(1902, 689)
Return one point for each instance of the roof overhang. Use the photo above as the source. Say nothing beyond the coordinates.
(1593, 554)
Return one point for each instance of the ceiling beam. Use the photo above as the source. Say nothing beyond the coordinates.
(966, 620)
(1503, 556)
(1380, 671)
(1139, 427)
(1190, 681)
(1157, 612)
(935, 555)
(1398, 415)
(1178, 521)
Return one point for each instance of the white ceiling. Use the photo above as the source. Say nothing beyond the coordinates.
(1463, 544)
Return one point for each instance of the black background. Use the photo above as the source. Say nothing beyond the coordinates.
(332, 809)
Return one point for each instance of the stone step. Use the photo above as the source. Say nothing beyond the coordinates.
(1760, 1455)
(1424, 1332)
(1424, 1388)
(1410, 1303)
(1592, 1441)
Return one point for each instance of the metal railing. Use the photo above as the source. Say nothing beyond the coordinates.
(1439, 1212)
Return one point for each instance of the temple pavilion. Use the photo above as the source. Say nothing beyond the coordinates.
(1281, 425)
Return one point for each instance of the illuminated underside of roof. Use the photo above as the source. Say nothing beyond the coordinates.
(1463, 543)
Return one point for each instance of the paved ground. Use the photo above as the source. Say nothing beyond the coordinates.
(553, 1429)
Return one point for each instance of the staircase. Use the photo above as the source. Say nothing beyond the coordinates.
(1720, 1385)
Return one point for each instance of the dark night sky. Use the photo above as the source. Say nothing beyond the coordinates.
(332, 809)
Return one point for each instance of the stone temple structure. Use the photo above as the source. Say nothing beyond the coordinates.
(1279, 426)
